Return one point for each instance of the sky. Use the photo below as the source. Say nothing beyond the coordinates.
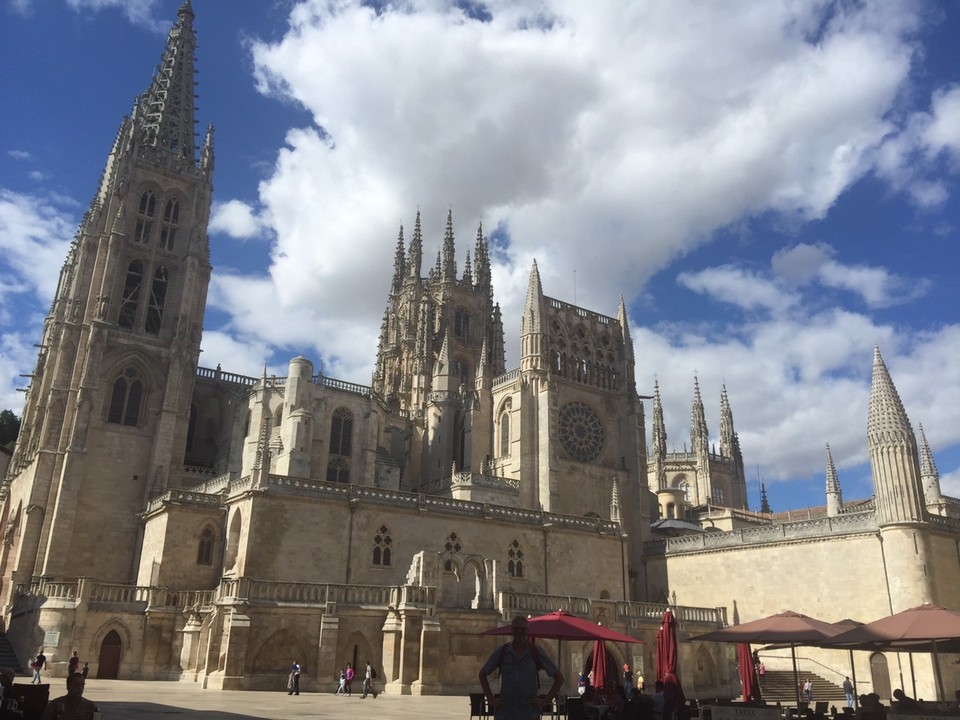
(771, 186)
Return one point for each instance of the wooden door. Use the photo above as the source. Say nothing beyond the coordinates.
(110, 651)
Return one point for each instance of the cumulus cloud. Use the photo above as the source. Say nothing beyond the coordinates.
(236, 219)
(138, 12)
(739, 287)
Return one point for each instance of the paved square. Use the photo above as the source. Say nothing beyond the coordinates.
(146, 700)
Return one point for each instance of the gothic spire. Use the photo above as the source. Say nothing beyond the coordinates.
(615, 515)
(415, 258)
(468, 270)
(727, 434)
(659, 429)
(929, 475)
(531, 323)
(399, 264)
(481, 258)
(834, 496)
(698, 420)
(449, 252)
(764, 502)
(893, 452)
(166, 109)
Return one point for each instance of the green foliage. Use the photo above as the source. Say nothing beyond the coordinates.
(9, 426)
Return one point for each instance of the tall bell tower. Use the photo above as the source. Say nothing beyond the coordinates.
(108, 409)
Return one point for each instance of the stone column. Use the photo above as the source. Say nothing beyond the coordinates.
(429, 681)
(189, 648)
(392, 642)
(326, 663)
(238, 634)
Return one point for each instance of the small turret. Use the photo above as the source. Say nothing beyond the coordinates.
(929, 475)
(481, 256)
(415, 257)
(468, 270)
(764, 502)
(531, 324)
(399, 265)
(834, 496)
(659, 439)
(615, 515)
(629, 363)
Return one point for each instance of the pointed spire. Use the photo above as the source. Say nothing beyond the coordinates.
(481, 257)
(698, 422)
(615, 515)
(399, 264)
(468, 270)
(887, 418)
(726, 424)
(764, 502)
(166, 109)
(206, 153)
(483, 364)
(415, 258)
(895, 467)
(449, 251)
(659, 428)
(442, 367)
(532, 336)
(834, 496)
(929, 475)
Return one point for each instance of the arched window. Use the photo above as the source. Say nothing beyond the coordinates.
(126, 398)
(381, 546)
(453, 544)
(146, 212)
(718, 495)
(505, 433)
(461, 323)
(158, 296)
(341, 431)
(246, 425)
(515, 560)
(131, 295)
(168, 227)
(338, 470)
(462, 371)
(205, 550)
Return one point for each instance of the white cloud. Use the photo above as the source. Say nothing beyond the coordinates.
(235, 218)
(802, 262)
(138, 12)
(19, 154)
(943, 131)
(739, 287)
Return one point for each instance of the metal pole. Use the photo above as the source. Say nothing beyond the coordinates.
(796, 676)
(853, 676)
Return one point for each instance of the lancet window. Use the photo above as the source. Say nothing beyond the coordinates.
(131, 295)
(158, 296)
(338, 470)
(126, 398)
(382, 543)
(505, 432)
(146, 212)
(515, 560)
(168, 227)
(341, 432)
(205, 548)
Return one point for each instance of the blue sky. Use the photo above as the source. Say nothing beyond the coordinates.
(771, 186)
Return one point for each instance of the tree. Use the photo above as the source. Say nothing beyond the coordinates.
(9, 426)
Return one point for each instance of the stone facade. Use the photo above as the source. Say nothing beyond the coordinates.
(171, 521)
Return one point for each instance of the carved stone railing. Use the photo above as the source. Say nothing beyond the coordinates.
(781, 532)
(185, 497)
(197, 473)
(50, 588)
(84, 590)
(684, 614)
(114, 593)
(585, 314)
(267, 591)
(433, 503)
(226, 377)
(494, 482)
(517, 603)
(508, 376)
(214, 485)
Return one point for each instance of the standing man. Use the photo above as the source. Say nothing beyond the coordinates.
(368, 676)
(73, 704)
(293, 684)
(848, 691)
(519, 663)
(38, 664)
(74, 665)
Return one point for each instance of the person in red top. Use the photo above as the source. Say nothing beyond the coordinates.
(74, 665)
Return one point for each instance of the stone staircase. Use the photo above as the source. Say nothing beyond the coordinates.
(8, 658)
(778, 686)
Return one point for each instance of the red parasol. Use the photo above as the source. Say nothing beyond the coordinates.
(667, 665)
(563, 626)
(748, 674)
(599, 665)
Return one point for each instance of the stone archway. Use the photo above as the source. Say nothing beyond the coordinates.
(880, 675)
(108, 662)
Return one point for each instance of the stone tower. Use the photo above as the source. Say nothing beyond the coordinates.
(107, 414)
(899, 499)
(427, 315)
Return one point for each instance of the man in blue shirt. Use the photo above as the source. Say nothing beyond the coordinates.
(519, 663)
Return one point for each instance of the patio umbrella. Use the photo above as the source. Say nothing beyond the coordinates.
(599, 664)
(748, 673)
(926, 628)
(667, 665)
(788, 627)
(563, 626)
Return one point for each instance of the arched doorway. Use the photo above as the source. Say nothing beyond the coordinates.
(108, 666)
(880, 675)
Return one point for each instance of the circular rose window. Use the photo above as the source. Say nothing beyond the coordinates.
(580, 431)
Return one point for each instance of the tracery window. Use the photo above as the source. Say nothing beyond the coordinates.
(131, 295)
(205, 549)
(146, 212)
(168, 227)
(381, 546)
(126, 398)
(158, 296)
(515, 560)
(461, 323)
(341, 431)
(338, 470)
(505, 433)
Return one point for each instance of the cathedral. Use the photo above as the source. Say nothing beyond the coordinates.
(172, 521)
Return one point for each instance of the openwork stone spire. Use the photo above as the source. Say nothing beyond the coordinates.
(167, 108)
(698, 420)
(834, 495)
(399, 264)
(893, 452)
(449, 251)
(929, 475)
